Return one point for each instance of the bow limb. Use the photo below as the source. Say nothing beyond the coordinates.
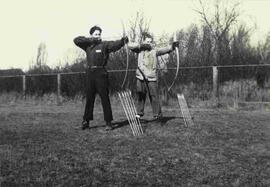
(178, 64)
(127, 60)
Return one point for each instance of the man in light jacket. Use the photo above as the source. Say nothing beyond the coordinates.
(146, 72)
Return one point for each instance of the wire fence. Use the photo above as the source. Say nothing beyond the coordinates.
(242, 83)
(123, 70)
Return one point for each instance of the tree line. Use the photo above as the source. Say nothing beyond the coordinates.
(220, 40)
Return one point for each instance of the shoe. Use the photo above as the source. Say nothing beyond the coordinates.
(108, 126)
(138, 116)
(85, 125)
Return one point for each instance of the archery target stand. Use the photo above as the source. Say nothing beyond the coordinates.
(130, 111)
(184, 110)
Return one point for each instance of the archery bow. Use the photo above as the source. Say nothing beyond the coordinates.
(126, 47)
(178, 64)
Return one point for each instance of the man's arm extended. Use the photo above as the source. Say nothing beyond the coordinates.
(112, 46)
(83, 42)
(135, 47)
(168, 49)
(164, 50)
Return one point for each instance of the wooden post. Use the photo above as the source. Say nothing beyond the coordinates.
(236, 97)
(165, 96)
(24, 86)
(58, 88)
(215, 83)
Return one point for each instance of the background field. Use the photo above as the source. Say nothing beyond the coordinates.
(42, 145)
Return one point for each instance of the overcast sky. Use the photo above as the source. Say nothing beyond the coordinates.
(26, 23)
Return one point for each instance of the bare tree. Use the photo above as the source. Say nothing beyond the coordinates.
(42, 55)
(264, 58)
(192, 46)
(240, 46)
(219, 24)
(206, 47)
(73, 55)
(138, 25)
(264, 51)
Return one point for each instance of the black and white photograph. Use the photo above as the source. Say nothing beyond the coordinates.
(135, 93)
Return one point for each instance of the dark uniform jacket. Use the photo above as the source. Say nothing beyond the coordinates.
(97, 53)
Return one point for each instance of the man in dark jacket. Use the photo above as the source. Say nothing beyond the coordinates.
(97, 53)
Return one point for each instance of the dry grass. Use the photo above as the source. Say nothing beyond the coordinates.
(41, 145)
(196, 95)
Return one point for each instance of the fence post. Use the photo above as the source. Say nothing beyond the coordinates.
(165, 97)
(58, 87)
(215, 83)
(236, 97)
(24, 86)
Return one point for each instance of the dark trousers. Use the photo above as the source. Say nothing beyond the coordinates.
(143, 89)
(97, 81)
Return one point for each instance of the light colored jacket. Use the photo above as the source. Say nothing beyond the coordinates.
(148, 61)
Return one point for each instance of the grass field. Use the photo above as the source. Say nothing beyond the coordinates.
(42, 145)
